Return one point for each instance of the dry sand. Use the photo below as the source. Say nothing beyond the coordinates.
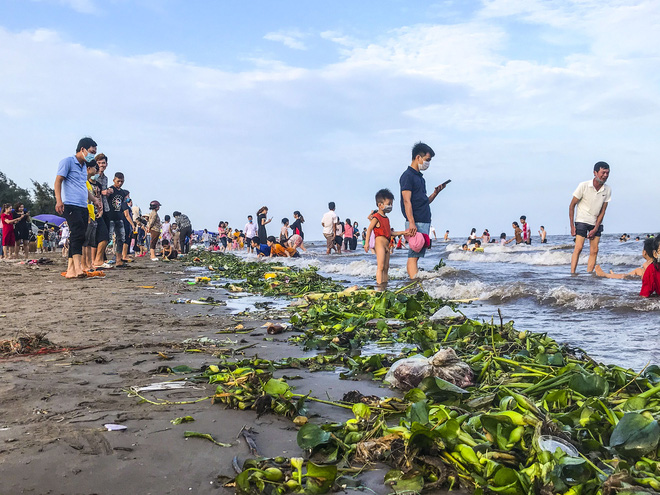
(53, 406)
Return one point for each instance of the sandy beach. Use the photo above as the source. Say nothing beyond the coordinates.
(53, 406)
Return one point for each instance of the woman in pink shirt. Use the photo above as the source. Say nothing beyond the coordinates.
(348, 235)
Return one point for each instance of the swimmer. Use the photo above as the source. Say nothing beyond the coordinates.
(543, 234)
(647, 253)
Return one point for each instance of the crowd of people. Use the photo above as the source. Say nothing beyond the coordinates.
(99, 214)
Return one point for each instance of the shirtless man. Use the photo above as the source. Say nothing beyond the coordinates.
(591, 198)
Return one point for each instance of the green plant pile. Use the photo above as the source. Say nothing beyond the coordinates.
(491, 437)
(267, 278)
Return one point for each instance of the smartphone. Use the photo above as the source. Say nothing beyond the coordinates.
(446, 182)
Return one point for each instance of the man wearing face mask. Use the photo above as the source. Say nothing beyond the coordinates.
(71, 197)
(415, 204)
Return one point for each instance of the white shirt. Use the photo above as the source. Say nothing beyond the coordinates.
(250, 230)
(591, 201)
(328, 221)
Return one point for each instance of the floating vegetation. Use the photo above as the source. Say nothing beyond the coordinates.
(539, 417)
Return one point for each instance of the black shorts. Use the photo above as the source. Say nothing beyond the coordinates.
(102, 234)
(582, 229)
(339, 240)
(90, 234)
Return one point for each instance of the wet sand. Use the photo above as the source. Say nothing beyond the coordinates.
(53, 406)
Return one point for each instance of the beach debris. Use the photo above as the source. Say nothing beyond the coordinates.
(409, 372)
(248, 433)
(393, 324)
(28, 344)
(276, 328)
(114, 427)
(202, 300)
(155, 387)
(300, 420)
(202, 280)
(182, 419)
(483, 433)
(146, 286)
(205, 436)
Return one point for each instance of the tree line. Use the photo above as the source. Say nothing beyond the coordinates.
(38, 200)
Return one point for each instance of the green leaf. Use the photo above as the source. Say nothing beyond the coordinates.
(439, 389)
(635, 434)
(414, 395)
(589, 385)
(311, 436)
(182, 369)
(419, 412)
(183, 419)
(361, 410)
(424, 437)
(276, 388)
(320, 478)
(205, 436)
(407, 485)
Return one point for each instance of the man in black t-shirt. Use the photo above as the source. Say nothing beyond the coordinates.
(117, 214)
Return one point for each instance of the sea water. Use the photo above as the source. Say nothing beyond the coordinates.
(531, 285)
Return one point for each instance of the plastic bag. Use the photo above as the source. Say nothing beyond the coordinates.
(409, 372)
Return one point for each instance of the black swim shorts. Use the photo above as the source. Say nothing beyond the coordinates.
(582, 229)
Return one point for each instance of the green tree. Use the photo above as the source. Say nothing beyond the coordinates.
(12, 193)
(44, 198)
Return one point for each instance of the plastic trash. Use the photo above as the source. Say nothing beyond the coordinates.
(409, 372)
(114, 427)
(551, 444)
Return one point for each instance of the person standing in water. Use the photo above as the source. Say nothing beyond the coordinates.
(262, 221)
(543, 234)
(591, 199)
(415, 204)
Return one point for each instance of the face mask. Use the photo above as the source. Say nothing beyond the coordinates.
(250, 221)
(387, 209)
(94, 177)
(89, 157)
(425, 164)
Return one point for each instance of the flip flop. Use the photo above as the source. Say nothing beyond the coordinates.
(95, 274)
(82, 275)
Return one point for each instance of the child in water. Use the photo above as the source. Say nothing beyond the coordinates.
(649, 271)
(380, 226)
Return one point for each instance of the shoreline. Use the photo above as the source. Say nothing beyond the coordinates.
(49, 425)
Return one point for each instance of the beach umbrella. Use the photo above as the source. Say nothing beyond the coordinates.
(54, 219)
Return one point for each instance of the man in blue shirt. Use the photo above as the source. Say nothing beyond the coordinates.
(71, 197)
(415, 204)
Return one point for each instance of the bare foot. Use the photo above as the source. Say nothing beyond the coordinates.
(599, 271)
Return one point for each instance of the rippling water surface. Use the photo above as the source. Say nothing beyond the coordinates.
(532, 285)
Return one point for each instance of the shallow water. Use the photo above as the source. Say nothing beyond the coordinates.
(531, 285)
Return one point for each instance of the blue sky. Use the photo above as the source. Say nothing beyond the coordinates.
(216, 108)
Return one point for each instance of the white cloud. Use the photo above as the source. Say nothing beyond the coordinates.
(221, 143)
(292, 39)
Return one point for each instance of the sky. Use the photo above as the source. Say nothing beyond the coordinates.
(218, 107)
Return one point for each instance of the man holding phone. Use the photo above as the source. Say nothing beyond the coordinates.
(415, 204)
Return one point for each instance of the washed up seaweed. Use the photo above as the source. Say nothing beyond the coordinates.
(263, 277)
(541, 417)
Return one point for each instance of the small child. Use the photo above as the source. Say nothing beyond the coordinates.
(502, 238)
(260, 249)
(169, 253)
(40, 241)
(380, 226)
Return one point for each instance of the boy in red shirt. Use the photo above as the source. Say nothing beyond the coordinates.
(380, 225)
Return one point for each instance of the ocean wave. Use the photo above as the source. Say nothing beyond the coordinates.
(540, 258)
(559, 296)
